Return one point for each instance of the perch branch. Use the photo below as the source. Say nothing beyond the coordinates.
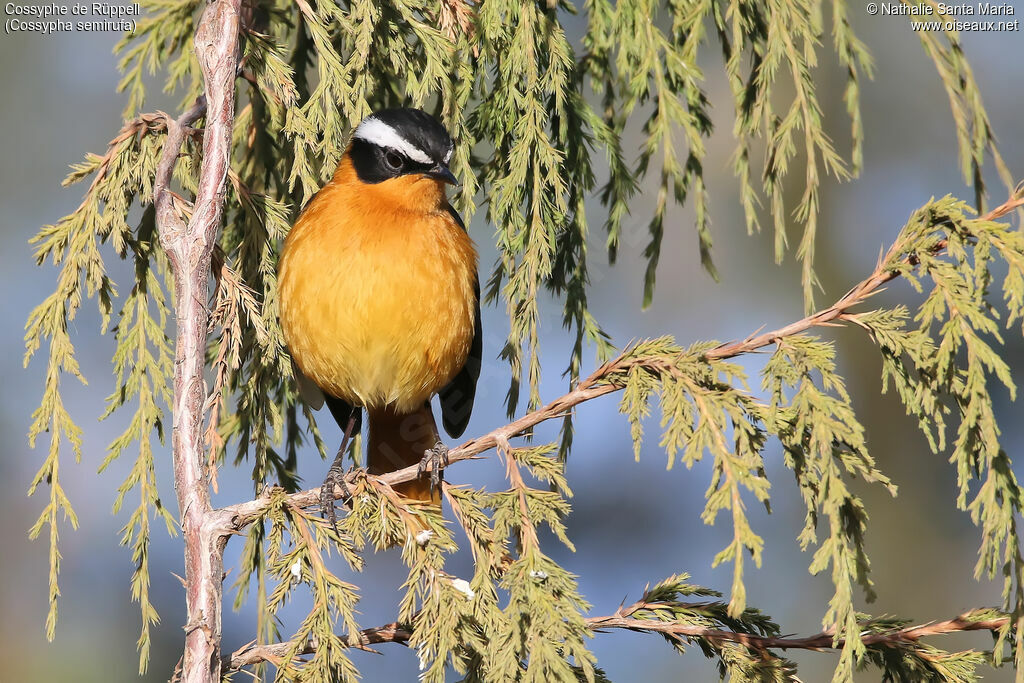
(600, 383)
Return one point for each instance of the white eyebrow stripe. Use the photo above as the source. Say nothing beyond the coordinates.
(448, 155)
(381, 134)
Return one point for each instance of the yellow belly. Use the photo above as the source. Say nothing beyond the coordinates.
(377, 309)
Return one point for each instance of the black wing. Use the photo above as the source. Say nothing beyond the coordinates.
(342, 411)
(457, 396)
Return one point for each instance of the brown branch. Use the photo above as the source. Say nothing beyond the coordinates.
(599, 384)
(189, 248)
(151, 122)
(623, 618)
(168, 220)
(251, 654)
(821, 641)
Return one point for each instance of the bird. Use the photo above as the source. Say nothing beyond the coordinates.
(379, 300)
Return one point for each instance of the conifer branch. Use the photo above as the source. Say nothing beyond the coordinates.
(898, 637)
(592, 387)
(601, 381)
(860, 292)
(455, 17)
(982, 619)
(251, 654)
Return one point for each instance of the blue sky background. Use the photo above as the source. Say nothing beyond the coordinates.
(632, 522)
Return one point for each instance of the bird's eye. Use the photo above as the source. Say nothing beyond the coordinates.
(393, 160)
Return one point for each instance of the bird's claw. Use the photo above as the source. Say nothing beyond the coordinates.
(335, 477)
(437, 459)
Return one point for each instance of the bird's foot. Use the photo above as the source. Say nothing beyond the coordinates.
(335, 477)
(436, 459)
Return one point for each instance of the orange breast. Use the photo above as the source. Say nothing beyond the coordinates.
(376, 293)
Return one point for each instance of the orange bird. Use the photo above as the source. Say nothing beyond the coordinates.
(380, 301)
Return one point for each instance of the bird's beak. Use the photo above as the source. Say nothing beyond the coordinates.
(441, 172)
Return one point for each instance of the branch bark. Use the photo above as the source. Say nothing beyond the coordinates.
(189, 248)
(820, 641)
(391, 633)
(251, 654)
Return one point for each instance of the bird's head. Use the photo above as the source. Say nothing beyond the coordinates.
(403, 153)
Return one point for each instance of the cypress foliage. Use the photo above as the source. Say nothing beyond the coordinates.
(536, 120)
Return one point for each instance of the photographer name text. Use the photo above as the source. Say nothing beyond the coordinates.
(981, 9)
(947, 17)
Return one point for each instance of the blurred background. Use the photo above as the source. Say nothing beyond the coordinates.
(632, 522)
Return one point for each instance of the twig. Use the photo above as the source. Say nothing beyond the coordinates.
(189, 248)
(250, 654)
(623, 618)
(142, 122)
(527, 532)
(455, 17)
(168, 220)
(391, 633)
(821, 641)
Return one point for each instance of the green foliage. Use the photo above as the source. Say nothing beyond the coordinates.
(665, 603)
(703, 411)
(822, 440)
(662, 68)
(538, 174)
(949, 353)
(142, 360)
(974, 134)
(920, 662)
(538, 121)
(142, 365)
(162, 41)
